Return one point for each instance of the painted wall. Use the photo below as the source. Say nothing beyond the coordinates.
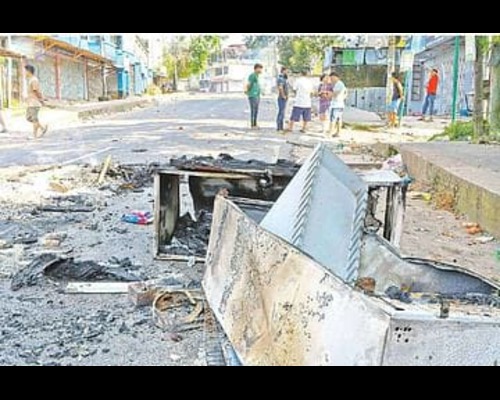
(443, 61)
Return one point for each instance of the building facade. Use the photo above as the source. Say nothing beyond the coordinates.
(439, 53)
(77, 67)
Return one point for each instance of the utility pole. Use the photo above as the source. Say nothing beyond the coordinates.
(391, 67)
(9, 74)
(455, 79)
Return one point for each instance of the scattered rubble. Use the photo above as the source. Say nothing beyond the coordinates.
(191, 237)
(67, 269)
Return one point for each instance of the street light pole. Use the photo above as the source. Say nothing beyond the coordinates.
(455, 79)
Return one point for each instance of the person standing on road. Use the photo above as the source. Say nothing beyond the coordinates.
(337, 105)
(303, 103)
(35, 102)
(283, 89)
(397, 95)
(325, 94)
(252, 90)
(430, 97)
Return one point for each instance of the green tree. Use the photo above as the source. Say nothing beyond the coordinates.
(495, 86)
(188, 56)
(482, 44)
(200, 48)
(295, 52)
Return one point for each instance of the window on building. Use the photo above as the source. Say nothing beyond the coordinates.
(226, 70)
(218, 71)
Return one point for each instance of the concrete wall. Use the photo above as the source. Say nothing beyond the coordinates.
(72, 72)
(369, 99)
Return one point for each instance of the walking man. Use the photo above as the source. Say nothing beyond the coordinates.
(252, 90)
(430, 97)
(35, 102)
(283, 89)
(338, 104)
(397, 95)
(303, 103)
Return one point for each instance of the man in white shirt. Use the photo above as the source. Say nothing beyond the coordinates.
(302, 106)
(338, 103)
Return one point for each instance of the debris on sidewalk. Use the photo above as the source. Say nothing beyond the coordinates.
(66, 209)
(420, 196)
(483, 239)
(97, 287)
(104, 170)
(58, 187)
(52, 240)
(178, 310)
(472, 228)
(59, 268)
(138, 217)
(143, 293)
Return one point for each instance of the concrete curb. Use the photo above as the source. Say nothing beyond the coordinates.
(110, 107)
(480, 203)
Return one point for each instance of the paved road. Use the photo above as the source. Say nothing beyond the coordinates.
(198, 124)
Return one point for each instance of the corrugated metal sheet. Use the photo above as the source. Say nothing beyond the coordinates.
(322, 212)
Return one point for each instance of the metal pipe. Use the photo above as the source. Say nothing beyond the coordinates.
(455, 79)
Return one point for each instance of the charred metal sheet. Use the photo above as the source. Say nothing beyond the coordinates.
(278, 306)
(382, 262)
(322, 212)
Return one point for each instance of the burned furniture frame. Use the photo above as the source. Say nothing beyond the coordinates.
(254, 191)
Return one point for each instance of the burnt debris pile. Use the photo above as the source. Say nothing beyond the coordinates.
(63, 269)
(226, 163)
(191, 237)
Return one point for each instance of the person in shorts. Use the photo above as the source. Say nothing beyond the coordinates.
(397, 96)
(302, 106)
(337, 105)
(325, 94)
(35, 102)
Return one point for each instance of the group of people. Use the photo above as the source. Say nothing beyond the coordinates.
(35, 100)
(331, 93)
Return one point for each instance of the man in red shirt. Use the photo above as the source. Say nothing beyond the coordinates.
(430, 97)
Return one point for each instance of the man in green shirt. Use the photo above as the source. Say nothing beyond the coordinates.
(252, 90)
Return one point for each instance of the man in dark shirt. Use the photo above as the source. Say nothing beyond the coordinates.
(430, 97)
(397, 96)
(283, 89)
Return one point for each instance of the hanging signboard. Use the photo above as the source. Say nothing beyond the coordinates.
(470, 48)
